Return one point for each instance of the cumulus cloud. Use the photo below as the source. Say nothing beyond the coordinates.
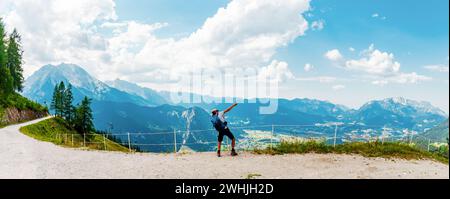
(374, 61)
(276, 71)
(377, 65)
(244, 33)
(56, 31)
(334, 55)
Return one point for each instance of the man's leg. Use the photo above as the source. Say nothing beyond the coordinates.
(219, 143)
(219, 146)
(233, 142)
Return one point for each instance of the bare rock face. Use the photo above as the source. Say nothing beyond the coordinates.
(14, 115)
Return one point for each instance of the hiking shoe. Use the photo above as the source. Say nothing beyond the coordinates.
(233, 153)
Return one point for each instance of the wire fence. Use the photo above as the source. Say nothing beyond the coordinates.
(250, 137)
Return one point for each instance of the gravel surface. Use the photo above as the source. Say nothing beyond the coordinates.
(25, 158)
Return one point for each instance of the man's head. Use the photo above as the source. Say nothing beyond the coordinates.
(214, 112)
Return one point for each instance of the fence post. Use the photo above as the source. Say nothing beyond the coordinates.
(271, 137)
(104, 141)
(335, 135)
(175, 141)
(84, 139)
(72, 140)
(129, 142)
(429, 143)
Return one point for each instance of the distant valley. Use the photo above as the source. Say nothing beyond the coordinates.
(120, 106)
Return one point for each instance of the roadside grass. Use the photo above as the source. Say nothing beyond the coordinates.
(57, 131)
(371, 149)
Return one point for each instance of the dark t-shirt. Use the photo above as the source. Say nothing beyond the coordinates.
(217, 123)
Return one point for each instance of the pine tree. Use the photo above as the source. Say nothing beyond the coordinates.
(83, 117)
(54, 100)
(14, 61)
(60, 99)
(68, 104)
(6, 81)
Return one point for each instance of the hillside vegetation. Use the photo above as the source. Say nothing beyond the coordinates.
(59, 132)
(19, 103)
(371, 149)
(439, 133)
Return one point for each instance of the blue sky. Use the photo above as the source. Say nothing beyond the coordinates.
(355, 50)
(416, 32)
(184, 16)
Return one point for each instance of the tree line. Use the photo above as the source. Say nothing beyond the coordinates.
(11, 77)
(80, 116)
(11, 81)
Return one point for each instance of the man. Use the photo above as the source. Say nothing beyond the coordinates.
(221, 125)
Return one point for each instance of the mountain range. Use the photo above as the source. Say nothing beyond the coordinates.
(129, 107)
(438, 133)
(40, 85)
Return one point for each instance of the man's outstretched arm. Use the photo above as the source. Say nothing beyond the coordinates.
(231, 107)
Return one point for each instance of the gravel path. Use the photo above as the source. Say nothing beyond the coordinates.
(24, 157)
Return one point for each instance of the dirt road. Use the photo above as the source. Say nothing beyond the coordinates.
(24, 157)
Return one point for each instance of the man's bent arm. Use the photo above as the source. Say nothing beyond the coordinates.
(231, 107)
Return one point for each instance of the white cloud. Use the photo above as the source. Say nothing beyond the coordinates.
(245, 33)
(351, 49)
(56, 31)
(437, 68)
(308, 67)
(334, 55)
(338, 87)
(276, 71)
(374, 61)
(317, 25)
(378, 65)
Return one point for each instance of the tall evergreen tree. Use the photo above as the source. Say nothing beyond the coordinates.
(68, 104)
(6, 86)
(14, 61)
(83, 117)
(54, 100)
(60, 99)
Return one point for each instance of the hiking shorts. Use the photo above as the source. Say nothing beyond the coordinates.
(225, 132)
